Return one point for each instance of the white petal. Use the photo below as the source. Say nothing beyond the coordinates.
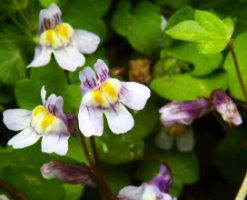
(164, 140)
(185, 141)
(55, 143)
(102, 70)
(17, 119)
(43, 94)
(134, 95)
(42, 56)
(90, 121)
(119, 119)
(131, 192)
(25, 138)
(85, 41)
(69, 58)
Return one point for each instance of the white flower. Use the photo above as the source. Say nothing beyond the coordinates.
(61, 39)
(103, 94)
(47, 121)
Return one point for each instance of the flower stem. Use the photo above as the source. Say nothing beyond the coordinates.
(242, 193)
(94, 148)
(240, 78)
(85, 150)
(12, 191)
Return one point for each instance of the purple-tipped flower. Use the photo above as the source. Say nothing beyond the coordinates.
(225, 106)
(154, 190)
(186, 112)
(69, 173)
(47, 121)
(60, 38)
(103, 94)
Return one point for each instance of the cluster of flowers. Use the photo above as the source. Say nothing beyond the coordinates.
(101, 95)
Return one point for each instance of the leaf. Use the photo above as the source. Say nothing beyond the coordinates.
(47, 3)
(170, 87)
(210, 32)
(73, 192)
(27, 91)
(203, 64)
(32, 184)
(240, 49)
(88, 16)
(140, 25)
(12, 67)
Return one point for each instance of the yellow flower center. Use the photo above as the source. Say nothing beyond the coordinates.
(43, 121)
(104, 96)
(58, 37)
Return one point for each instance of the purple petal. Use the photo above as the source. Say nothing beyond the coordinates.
(25, 138)
(17, 119)
(163, 179)
(88, 79)
(56, 143)
(69, 58)
(134, 95)
(225, 106)
(102, 70)
(85, 41)
(49, 18)
(90, 121)
(119, 119)
(42, 56)
(69, 173)
(183, 112)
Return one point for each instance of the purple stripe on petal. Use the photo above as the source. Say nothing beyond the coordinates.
(102, 70)
(88, 79)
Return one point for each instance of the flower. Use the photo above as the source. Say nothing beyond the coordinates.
(69, 173)
(184, 112)
(153, 190)
(103, 94)
(61, 39)
(181, 134)
(47, 121)
(225, 106)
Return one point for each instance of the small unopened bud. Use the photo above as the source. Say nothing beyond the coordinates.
(69, 173)
(177, 112)
(226, 107)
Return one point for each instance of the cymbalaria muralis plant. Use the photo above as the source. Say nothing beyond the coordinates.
(123, 100)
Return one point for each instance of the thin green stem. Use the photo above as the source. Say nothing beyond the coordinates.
(12, 191)
(242, 193)
(85, 150)
(240, 78)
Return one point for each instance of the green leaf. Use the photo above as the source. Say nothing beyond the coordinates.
(188, 30)
(30, 182)
(240, 47)
(170, 87)
(12, 67)
(27, 91)
(185, 13)
(73, 192)
(140, 25)
(203, 64)
(88, 16)
(47, 3)
(210, 32)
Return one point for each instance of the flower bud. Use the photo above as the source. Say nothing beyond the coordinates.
(67, 172)
(226, 107)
